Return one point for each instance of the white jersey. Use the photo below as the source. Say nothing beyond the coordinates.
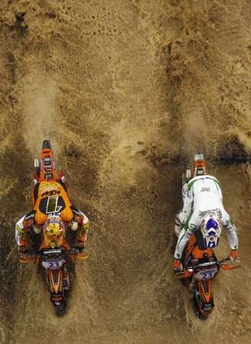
(202, 194)
(19, 230)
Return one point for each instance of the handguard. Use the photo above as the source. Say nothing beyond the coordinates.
(27, 257)
(83, 255)
(183, 274)
(228, 264)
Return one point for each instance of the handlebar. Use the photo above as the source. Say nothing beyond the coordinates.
(50, 252)
(225, 264)
(203, 265)
(228, 264)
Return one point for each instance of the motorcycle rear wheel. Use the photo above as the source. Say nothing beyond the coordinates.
(46, 144)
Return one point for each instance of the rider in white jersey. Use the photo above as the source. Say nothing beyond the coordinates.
(203, 209)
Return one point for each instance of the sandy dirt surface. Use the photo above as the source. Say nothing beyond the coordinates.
(127, 91)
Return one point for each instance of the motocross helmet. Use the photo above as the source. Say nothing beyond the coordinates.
(211, 230)
(54, 230)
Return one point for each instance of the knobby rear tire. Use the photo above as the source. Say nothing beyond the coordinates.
(46, 144)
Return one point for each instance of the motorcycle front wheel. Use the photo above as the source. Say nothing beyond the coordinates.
(196, 307)
(60, 309)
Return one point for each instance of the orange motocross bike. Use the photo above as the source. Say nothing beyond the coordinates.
(57, 264)
(200, 268)
(52, 207)
(200, 263)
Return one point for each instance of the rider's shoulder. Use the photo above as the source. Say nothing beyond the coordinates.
(198, 178)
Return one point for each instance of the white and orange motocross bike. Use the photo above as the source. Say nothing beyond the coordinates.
(200, 268)
(52, 207)
(200, 262)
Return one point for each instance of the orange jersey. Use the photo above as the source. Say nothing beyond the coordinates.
(52, 198)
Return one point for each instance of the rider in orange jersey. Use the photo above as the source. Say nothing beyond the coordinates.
(50, 197)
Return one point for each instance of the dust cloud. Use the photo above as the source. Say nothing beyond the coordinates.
(127, 91)
(39, 114)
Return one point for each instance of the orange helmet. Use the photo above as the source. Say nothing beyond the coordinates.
(54, 231)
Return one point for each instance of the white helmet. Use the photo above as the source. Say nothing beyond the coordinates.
(211, 230)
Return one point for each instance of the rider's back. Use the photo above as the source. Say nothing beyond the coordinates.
(206, 192)
(52, 197)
